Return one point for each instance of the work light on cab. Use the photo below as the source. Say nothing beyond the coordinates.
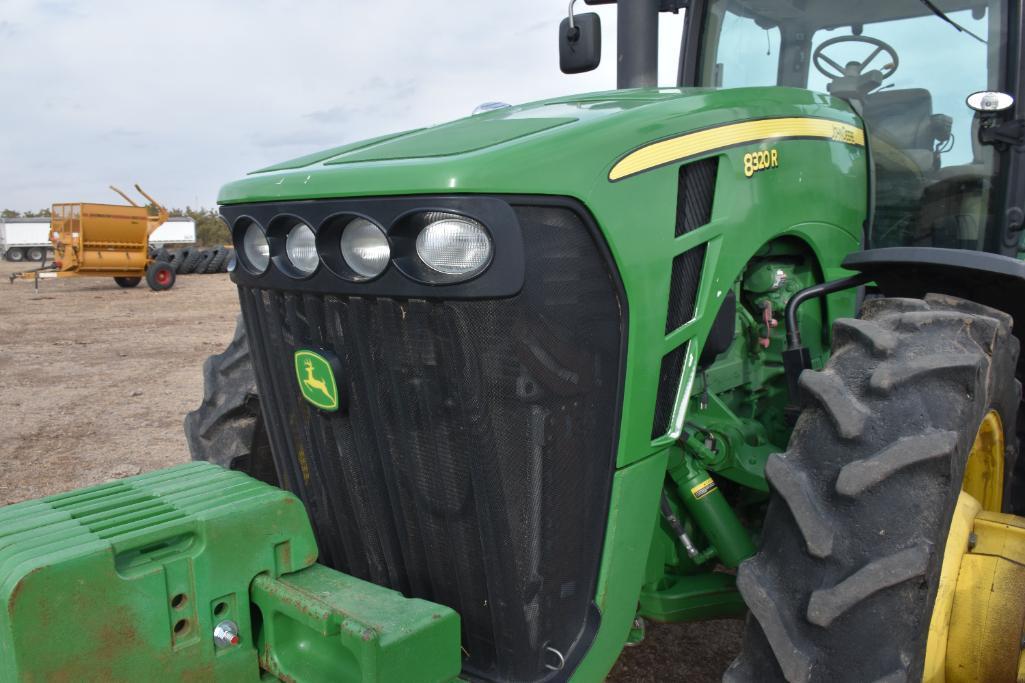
(256, 249)
(454, 246)
(301, 249)
(365, 248)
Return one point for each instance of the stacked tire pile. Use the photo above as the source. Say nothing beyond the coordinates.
(195, 260)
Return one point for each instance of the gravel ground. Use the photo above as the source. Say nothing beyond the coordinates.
(96, 380)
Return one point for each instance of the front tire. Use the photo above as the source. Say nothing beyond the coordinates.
(844, 584)
(227, 428)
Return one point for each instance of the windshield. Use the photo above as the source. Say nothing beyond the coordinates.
(908, 72)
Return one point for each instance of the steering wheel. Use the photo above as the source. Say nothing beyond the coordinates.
(833, 71)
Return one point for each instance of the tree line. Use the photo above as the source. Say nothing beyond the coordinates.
(210, 227)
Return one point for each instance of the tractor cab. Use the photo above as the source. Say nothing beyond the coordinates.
(933, 83)
(909, 68)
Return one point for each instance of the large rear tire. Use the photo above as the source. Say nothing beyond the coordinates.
(190, 259)
(176, 259)
(215, 262)
(227, 428)
(843, 586)
(204, 260)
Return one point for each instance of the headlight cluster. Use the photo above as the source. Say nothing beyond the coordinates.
(432, 247)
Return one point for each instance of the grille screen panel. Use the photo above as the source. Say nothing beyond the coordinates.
(694, 199)
(695, 194)
(668, 384)
(474, 463)
(683, 287)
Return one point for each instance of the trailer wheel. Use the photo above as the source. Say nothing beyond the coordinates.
(227, 428)
(917, 403)
(160, 276)
(128, 282)
(15, 254)
(190, 258)
(35, 253)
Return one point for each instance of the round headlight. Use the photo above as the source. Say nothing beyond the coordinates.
(256, 249)
(365, 248)
(453, 245)
(301, 248)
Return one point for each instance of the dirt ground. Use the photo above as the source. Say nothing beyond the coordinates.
(96, 380)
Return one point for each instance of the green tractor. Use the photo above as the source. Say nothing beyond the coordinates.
(552, 370)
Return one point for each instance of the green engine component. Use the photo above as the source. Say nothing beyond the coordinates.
(154, 578)
(738, 416)
(705, 503)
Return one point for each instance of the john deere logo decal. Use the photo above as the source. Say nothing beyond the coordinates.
(316, 380)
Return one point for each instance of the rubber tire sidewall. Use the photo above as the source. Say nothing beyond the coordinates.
(824, 541)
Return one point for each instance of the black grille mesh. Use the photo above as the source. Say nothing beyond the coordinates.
(474, 464)
(683, 287)
(668, 383)
(695, 194)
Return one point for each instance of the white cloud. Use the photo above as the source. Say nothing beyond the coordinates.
(184, 96)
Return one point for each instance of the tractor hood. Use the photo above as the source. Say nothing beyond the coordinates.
(564, 146)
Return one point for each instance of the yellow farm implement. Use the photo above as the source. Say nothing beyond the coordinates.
(106, 240)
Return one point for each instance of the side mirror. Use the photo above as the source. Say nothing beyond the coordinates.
(580, 43)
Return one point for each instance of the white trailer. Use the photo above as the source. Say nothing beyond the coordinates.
(25, 239)
(175, 231)
(28, 239)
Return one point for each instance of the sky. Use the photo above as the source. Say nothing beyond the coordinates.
(183, 96)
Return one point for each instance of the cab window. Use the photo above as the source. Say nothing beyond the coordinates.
(907, 71)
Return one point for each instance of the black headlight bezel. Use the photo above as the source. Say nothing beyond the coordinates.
(239, 227)
(503, 277)
(277, 231)
(407, 229)
(329, 239)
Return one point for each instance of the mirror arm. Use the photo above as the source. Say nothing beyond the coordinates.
(573, 34)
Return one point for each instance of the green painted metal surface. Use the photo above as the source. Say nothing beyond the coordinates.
(454, 138)
(638, 214)
(707, 595)
(322, 626)
(622, 569)
(125, 581)
(802, 213)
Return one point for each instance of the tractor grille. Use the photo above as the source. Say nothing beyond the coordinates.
(473, 463)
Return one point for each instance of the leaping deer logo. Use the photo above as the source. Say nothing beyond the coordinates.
(316, 378)
(313, 382)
